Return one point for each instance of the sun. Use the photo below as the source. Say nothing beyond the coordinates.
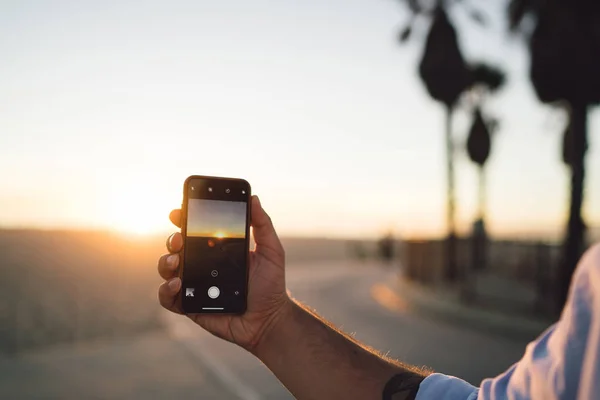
(220, 235)
(129, 212)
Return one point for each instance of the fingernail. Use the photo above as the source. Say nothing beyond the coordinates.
(257, 200)
(172, 261)
(174, 284)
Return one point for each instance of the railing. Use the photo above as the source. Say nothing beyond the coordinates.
(517, 275)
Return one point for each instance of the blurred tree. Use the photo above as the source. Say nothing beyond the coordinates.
(479, 145)
(446, 76)
(564, 45)
(486, 79)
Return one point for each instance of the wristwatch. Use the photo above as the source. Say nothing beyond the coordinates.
(403, 386)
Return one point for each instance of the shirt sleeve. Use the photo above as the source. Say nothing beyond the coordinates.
(562, 364)
(445, 387)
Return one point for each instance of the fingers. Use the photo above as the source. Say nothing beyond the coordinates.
(168, 263)
(175, 243)
(175, 217)
(262, 228)
(168, 295)
(167, 266)
(168, 292)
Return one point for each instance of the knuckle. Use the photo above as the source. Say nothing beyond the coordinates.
(161, 262)
(163, 293)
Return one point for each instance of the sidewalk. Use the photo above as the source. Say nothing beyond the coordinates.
(147, 366)
(445, 304)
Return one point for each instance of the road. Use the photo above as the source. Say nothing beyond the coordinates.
(185, 362)
(356, 299)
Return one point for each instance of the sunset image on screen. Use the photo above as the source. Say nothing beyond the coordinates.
(216, 241)
(216, 219)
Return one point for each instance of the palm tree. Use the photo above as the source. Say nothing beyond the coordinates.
(446, 76)
(479, 146)
(564, 44)
(486, 79)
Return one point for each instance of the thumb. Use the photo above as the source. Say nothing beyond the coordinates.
(263, 230)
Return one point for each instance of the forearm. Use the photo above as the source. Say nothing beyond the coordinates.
(316, 361)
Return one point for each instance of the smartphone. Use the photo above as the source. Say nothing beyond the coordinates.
(215, 229)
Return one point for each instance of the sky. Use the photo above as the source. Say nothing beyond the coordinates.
(216, 217)
(315, 103)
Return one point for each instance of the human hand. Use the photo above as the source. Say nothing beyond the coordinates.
(268, 300)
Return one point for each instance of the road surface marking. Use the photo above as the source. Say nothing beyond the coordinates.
(388, 298)
(181, 332)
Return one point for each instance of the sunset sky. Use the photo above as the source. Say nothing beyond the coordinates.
(215, 218)
(314, 103)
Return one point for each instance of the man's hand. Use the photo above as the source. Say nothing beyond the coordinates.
(307, 354)
(267, 297)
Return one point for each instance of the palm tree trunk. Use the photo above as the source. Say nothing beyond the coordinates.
(451, 268)
(574, 241)
(479, 232)
(482, 191)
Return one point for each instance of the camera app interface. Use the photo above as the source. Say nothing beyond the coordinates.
(214, 275)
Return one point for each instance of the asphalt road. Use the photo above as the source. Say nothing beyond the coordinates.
(186, 362)
(356, 299)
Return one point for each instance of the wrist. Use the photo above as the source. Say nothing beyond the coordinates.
(274, 328)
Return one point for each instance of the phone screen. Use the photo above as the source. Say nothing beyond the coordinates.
(215, 255)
